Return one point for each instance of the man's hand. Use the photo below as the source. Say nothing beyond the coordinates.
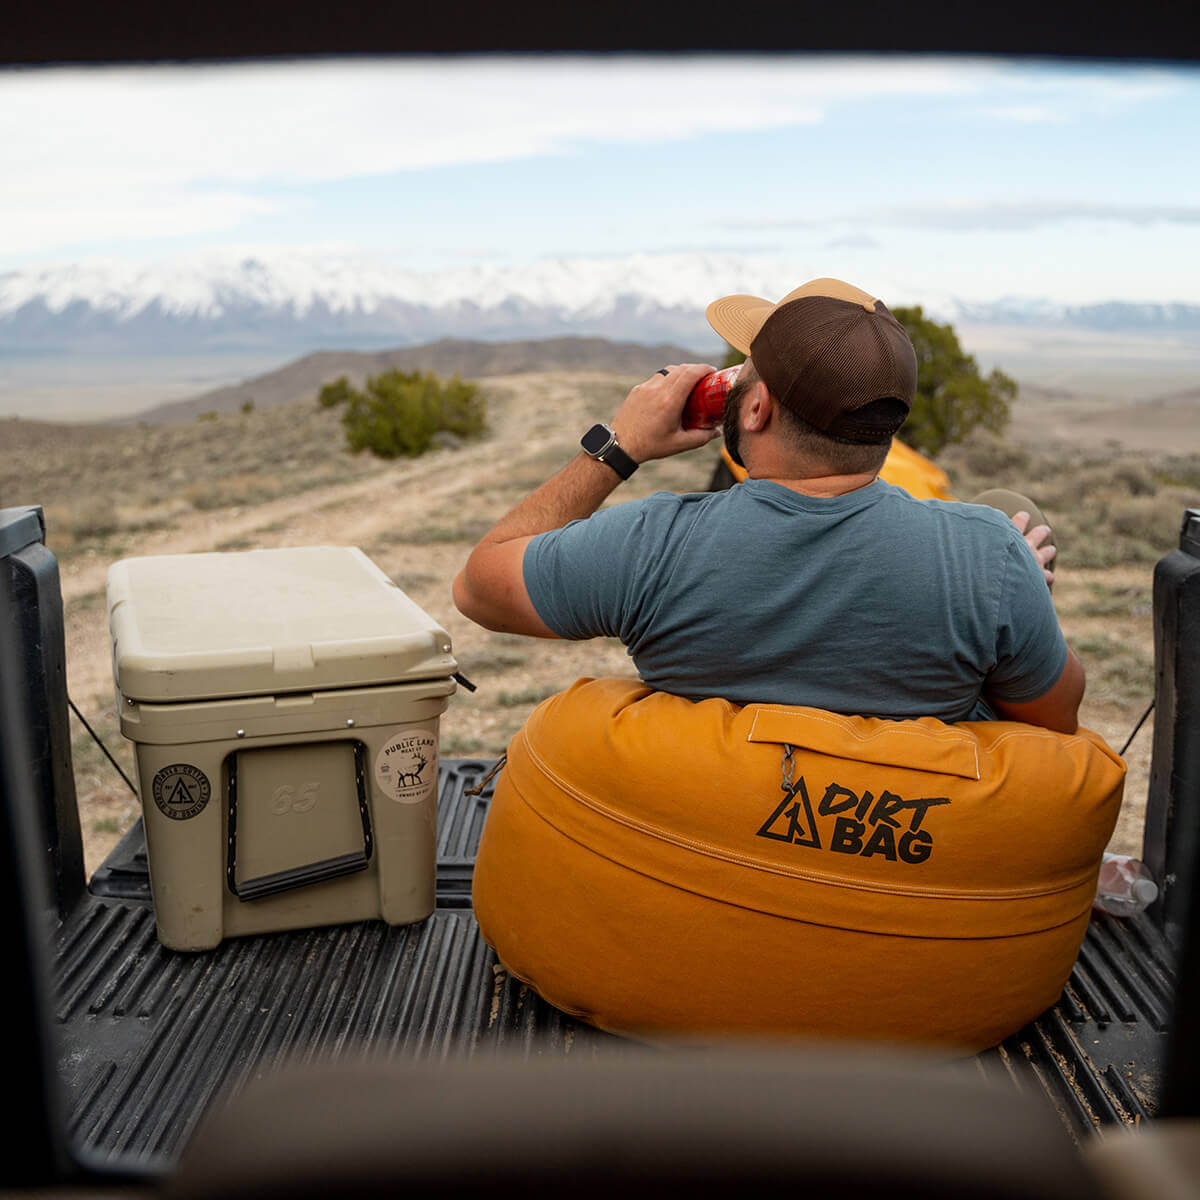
(649, 425)
(1035, 539)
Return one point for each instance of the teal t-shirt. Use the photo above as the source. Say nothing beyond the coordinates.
(871, 603)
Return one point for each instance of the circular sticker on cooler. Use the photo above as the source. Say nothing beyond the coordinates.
(181, 791)
(406, 767)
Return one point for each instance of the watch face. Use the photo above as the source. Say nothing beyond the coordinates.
(598, 438)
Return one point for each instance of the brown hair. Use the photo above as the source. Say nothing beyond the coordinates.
(834, 455)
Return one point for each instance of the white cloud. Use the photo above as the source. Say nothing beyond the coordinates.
(973, 217)
(970, 216)
(122, 153)
(853, 241)
(1026, 114)
(121, 217)
(336, 119)
(1039, 95)
(90, 154)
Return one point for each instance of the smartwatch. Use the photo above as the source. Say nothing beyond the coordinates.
(601, 443)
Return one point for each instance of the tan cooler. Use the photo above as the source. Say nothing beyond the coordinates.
(284, 707)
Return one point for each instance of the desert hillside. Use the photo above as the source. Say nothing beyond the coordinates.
(279, 476)
(448, 356)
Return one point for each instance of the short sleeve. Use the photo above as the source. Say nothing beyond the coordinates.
(1031, 651)
(596, 577)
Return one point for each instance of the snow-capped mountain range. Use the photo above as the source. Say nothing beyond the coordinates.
(361, 300)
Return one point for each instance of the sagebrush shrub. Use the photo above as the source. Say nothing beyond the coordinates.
(398, 413)
(988, 455)
(1136, 478)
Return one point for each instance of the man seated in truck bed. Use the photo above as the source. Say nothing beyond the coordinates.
(812, 583)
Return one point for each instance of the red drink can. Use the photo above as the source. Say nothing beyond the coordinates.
(705, 405)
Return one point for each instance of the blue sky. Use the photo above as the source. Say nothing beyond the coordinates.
(977, 177)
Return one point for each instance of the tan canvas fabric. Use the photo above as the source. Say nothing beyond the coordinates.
(643, 868)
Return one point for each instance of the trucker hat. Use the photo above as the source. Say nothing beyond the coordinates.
(827, 351)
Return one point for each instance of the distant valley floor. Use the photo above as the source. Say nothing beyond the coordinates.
(1085, 384)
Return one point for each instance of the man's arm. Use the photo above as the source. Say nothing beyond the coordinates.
(1058, 709)
(490, 589)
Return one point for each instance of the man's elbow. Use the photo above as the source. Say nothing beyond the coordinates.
(490, 590)
(467, 598)
(1058, 709)
(1058, 717)
(1073, 683)
(1063, 721)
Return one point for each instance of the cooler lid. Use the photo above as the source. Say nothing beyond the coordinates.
(262, 622)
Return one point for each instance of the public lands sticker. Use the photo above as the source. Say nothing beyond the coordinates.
(181, 791)
(406, 767)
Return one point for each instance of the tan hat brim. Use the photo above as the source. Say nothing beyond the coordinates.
(739, 318)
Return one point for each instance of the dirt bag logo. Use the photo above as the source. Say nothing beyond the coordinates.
(181, 791)
(862, 825)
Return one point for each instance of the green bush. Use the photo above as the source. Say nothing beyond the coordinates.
(398, 413)
(952, 397)
(335, 393)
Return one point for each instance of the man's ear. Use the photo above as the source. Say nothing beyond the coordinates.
(757, 408)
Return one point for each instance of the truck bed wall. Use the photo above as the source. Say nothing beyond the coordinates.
(41, 861)
(1171, 845)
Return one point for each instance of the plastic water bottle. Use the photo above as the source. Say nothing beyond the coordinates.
(1125, 886)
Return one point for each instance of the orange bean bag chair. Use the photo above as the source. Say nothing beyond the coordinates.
(904, 467)
(643, 868)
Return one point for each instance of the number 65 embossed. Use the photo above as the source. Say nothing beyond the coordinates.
(286, 800)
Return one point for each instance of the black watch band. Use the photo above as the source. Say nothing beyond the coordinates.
(601, 443)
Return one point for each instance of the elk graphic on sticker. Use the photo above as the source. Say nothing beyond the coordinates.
(413, 778)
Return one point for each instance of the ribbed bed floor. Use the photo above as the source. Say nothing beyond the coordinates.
(149, 1037)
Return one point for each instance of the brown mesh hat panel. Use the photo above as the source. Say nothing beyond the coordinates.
(824, 358)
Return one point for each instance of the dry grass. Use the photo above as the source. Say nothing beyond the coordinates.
(280, 477)
(104, 492)
(1108, 507)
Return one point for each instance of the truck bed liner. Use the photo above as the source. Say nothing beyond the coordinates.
(149, 1037)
